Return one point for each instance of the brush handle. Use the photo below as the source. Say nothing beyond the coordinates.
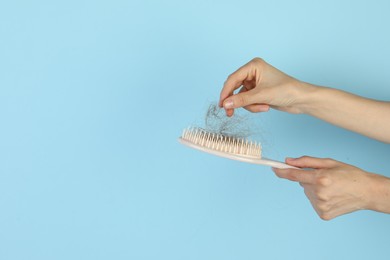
(272, 163)
(237, 157)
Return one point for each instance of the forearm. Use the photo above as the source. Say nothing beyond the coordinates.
(365, 116)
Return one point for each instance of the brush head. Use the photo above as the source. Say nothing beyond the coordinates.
(227, 146)
(222, 143)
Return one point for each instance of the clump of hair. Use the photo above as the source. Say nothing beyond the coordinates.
(216, 121)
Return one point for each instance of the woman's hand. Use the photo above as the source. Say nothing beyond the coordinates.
(335, 188)
(261, 86)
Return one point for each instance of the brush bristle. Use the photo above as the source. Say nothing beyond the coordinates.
(222, 143)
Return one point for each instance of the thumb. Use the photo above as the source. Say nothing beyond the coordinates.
(311, 162)
(241, 99)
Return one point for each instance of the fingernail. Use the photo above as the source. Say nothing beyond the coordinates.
(290, 159)
(228, 104)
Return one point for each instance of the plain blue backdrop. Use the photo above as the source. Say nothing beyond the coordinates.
(93, 95)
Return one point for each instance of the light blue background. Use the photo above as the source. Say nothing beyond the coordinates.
(93, 95)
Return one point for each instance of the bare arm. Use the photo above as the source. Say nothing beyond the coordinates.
(335, 188)
(364, 116)
(262, 86)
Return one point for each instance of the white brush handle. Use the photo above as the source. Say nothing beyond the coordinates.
(262, 161)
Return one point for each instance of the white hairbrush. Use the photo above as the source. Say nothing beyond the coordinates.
(229, 147)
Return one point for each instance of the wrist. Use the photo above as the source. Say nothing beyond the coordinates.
(379, 194)
(306, 97)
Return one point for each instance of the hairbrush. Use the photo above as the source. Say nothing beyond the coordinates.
(230, 147)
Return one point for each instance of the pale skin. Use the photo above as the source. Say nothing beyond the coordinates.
(333, 188)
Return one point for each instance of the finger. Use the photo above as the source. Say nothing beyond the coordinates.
(229, 112)
(295, 175)
(243, 89)
(311, 162)
(255, 108)
(240, 100)
(234, 81)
